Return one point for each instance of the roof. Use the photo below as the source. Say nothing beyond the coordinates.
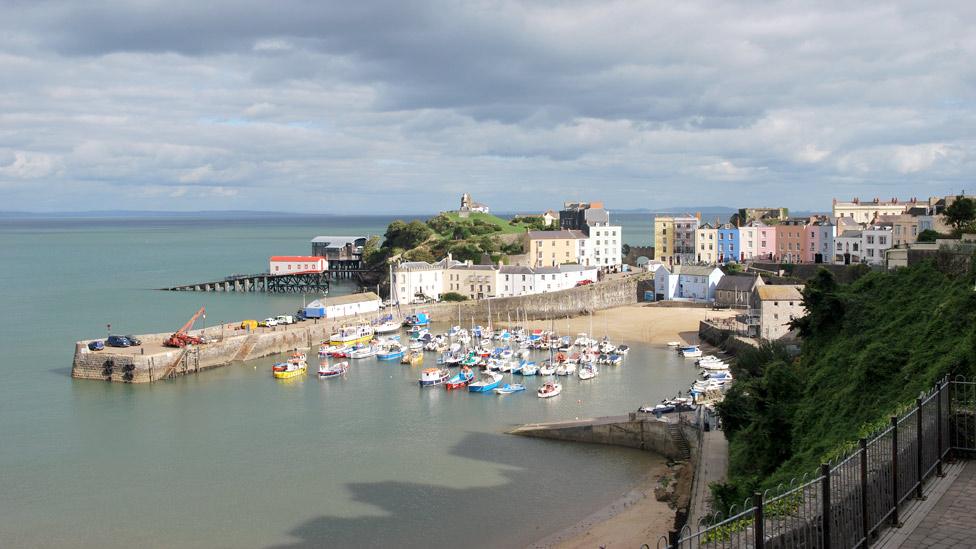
(850, 234)
(352, 298)
(691, 270)
(737, 283)
(596, 215)
(309, 258)
(337, 241)
(556, 235)
(787, 292)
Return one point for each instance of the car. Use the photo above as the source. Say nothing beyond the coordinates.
(285, 319)
(133, 340)
(584, 282)
(96, 345)
(268, 322)
(117, 341)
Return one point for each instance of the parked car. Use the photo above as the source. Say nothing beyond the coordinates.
(285, 319)
(268, 322)
(96, 345)
(133, 340)
(584, 282)
(300, 316)
(117, 341)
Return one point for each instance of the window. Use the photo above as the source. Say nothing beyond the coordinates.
(882, 240)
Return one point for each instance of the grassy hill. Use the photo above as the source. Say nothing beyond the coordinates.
(504, 226)
(869, 349)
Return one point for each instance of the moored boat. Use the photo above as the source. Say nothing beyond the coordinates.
(350, 335)
(488, 381)
(434, 376)
(509, 388)
(337, 369)
(549, 389)
(587, 371)
(460, 379)
(291, 369)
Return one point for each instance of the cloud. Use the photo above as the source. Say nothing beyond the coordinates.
(401, 105)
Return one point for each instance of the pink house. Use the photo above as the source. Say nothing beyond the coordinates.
(765, 248)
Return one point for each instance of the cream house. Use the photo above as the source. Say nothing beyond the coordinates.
(551, 248)
(776, 307)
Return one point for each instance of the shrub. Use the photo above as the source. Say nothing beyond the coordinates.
(453, 296)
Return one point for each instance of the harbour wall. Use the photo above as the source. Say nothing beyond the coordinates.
(617, 292)
(674, 440)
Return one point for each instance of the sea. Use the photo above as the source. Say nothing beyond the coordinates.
(233, 458)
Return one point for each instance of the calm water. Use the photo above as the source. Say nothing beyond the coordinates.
(231, 458)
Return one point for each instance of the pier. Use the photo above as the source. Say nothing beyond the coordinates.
(297, 283)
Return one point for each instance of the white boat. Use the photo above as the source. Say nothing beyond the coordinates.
(334, 370)
(674, 344)
(547, 369)
(549, 389)
(348, 335)
(566, 369)
(529, 369)
(692, 351)
(362, 352)
(387, 327)
(622, 349)
(588, 371)
(434, 376)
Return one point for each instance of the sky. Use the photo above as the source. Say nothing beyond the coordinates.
(387, 107)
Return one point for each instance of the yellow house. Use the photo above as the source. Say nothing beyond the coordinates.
(551, 248)
(674, 238)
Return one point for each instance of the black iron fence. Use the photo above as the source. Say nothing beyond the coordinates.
(844, 504)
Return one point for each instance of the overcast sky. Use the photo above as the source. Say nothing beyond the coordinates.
(402, 106)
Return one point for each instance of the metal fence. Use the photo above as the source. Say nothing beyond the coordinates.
(845, 503)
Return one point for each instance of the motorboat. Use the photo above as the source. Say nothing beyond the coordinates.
(509, 388)
(529, 369)
(364, 351)
(622, 349)
(566, 369)
(412, 358)
(460, 379)
(419, 319)
(487, 382)
(350, 335)
(547, 369)
(588, 371)
(390, 351)
(613, 360)
(434, 376)
(692, 351)
(334, 370)
(290, 370)
(549, 389)
(674, 344)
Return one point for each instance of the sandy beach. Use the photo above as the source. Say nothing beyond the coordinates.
(637, 517)
(638, 323)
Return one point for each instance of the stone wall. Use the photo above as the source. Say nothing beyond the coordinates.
(640, 431)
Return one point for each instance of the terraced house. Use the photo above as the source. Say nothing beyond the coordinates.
(674, 238)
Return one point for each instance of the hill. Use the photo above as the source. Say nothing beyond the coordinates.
(870, 347)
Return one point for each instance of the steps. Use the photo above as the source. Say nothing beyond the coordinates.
(679, 441)
(169, 370)
(247, 347)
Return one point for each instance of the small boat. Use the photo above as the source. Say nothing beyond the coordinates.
(419, 319)
(622, 349)
(549, 389)
(365, 351)
(333, 371)
(614, 360)
(692, 351)
(412, 358)
(488, 381)
(460, 379)
(386, 325)
(530, 369)
(350, 335)
(588, 371)
(291, 369)
(392, 351)
(674, 344)
(434, 376)
(566, 369)
(547, 369)
(509, 388)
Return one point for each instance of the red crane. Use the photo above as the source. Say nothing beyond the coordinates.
(181, 338)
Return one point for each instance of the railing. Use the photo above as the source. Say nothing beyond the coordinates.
(847, 502)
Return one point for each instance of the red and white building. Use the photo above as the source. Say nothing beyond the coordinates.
(294, 264)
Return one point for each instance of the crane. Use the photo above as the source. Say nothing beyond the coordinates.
(181, 338)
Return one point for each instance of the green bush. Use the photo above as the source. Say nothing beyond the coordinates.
(453, 296)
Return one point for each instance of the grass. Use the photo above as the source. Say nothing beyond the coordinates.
(503, 224)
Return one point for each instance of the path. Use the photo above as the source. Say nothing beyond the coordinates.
(944, 519)
(713, 466)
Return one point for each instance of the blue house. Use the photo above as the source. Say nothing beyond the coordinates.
(728, 243)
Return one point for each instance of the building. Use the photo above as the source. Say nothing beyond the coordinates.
(776, 307)
(347, 305)
(516, 281)
(551, 248)
(935, 223)
(765, 240)
(847, 247)
(342, 252)
(707, 242)
(748, 241)
(904, 228)
(295, 264)
(691, 282)
(674, 238)
(549, 217)
(603, 246)
(910, 254)
(419, 281)
(473, 281)
(736, 291)
(790, 241)
(876, 239)
(728, 243)
(748, 215)
(819, 241)
(576, 216)
(468, 206)
(866, 212)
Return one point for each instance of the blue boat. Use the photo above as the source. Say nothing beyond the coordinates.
(460, 379)
(419, 319)
(509, 388)
(392, 352)
(488, 381)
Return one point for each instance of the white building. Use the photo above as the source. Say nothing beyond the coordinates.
(691, 282)
(602, 247)
(777, 306)
(294, 264)
(847, 247)
(876, 239)
(417, 281)
(515, 281)
(347, 305)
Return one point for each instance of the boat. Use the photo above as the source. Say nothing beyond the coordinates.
(692, 351)
(364, 351)
(566, 369)
(509, 388)
(290, 370)
(587, 371)
(350, 335)
(613, 360)
(674, 344)
(434, 376)
(488, 381)
(419, 319)
(549, 389)
(529, 369)
(386, 325)
(622, 349)
(547, 369)
(391, 351)
(335, 370)
(460, 379)
(412, 358)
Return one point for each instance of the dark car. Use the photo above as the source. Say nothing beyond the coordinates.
(117, 341)
(134, 341)
(96, 345)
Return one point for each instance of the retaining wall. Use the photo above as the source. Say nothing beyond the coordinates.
(640, 431)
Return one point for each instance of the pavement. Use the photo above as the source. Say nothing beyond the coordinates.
(944, 519)
(713, 466)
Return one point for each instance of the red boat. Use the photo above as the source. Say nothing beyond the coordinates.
(460, 380)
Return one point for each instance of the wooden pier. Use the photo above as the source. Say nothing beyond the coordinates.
(266, 282)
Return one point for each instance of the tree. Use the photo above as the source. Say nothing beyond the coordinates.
(825, 308)
(929, 235)
(625, 250)
(406, 235)
(453, 296)
(961, 214)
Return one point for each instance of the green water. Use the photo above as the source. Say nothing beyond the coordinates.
(232, 458)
